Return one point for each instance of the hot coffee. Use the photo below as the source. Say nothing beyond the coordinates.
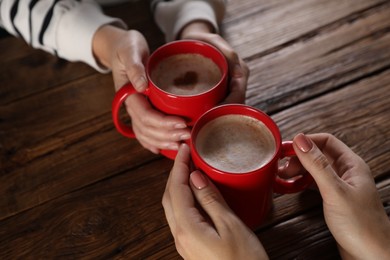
(235, 143)
(186, 74)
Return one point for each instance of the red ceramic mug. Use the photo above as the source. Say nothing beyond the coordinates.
(239, 148)
(172, 70)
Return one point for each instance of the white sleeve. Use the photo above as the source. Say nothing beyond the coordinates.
(63, 28)
(172, 16)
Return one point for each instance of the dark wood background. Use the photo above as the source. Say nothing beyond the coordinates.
(72, 187)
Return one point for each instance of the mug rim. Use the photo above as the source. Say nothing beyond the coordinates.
(275, 133)
(224, 69)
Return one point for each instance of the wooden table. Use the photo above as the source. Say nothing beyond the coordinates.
(72, 187)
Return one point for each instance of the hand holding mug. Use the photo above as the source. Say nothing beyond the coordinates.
(185, 79)
(353, 210)
(126, 53)
(213, 232)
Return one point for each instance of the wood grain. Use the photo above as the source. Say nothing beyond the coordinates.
(113, 209)
(255, 26)
(72, 187)
(332, 58)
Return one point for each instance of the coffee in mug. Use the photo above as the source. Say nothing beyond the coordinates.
(239, 148)
(186, 74)
(235, 144)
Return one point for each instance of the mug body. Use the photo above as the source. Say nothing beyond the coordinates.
(249, 194)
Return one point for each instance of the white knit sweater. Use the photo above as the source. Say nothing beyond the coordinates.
(66, 27)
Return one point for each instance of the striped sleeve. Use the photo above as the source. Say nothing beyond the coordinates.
(62, 27)
(171, 16)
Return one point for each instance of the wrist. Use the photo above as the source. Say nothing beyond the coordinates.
(373, 245)
(103, 44)
(379, 238)
(383, 242)
(196, 27)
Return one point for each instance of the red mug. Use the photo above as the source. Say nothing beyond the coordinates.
(239, 148)
(188, 106)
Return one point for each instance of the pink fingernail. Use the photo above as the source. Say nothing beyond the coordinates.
(172, 146)
(198, 180)
(303, 142)
(185, 137)
(180, 125)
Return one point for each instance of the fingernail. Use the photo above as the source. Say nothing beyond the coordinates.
(172, 146)
(198, 180)
(303, 142)
(140, 83)
(185, 137)
(183, 146)
(180, 126)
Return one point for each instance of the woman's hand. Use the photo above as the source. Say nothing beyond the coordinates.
(126, 53)
(352, 207)
(238, 70)
(203, 225)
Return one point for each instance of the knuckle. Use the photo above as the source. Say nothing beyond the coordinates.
(180, 247)
(215, 37)
(321, 162)
(245, 68)
(181, 237)
(230, 221)
(145, 120)
(165, 199)
(209, 198)
(231, 54)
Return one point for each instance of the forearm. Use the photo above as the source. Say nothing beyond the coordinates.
(103, 44)
(62, 28)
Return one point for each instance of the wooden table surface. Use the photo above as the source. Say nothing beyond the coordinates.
(72, 187)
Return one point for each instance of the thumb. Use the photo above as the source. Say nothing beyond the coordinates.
(135, 71)
(316, 163)
(209, 198)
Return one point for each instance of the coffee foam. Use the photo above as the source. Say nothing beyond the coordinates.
(186, 74)
(235, 144)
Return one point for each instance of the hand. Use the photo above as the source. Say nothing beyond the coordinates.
(212, 232)
(352, 208)
(126, 52)
(239, 72)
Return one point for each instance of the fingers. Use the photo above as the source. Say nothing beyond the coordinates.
(153, 129)
(344, 160)
(292, 168)
(135, 70)
(129, 61)
(221, 44)
(177, 186)
(238, 87)
(129, 71)
(316, 163)
(211, 200)
(239, 75)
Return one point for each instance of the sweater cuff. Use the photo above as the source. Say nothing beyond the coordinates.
(172, 17)
(75, 35)
(194, 11)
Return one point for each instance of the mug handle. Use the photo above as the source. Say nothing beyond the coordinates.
(120, 97)
(283, 186)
